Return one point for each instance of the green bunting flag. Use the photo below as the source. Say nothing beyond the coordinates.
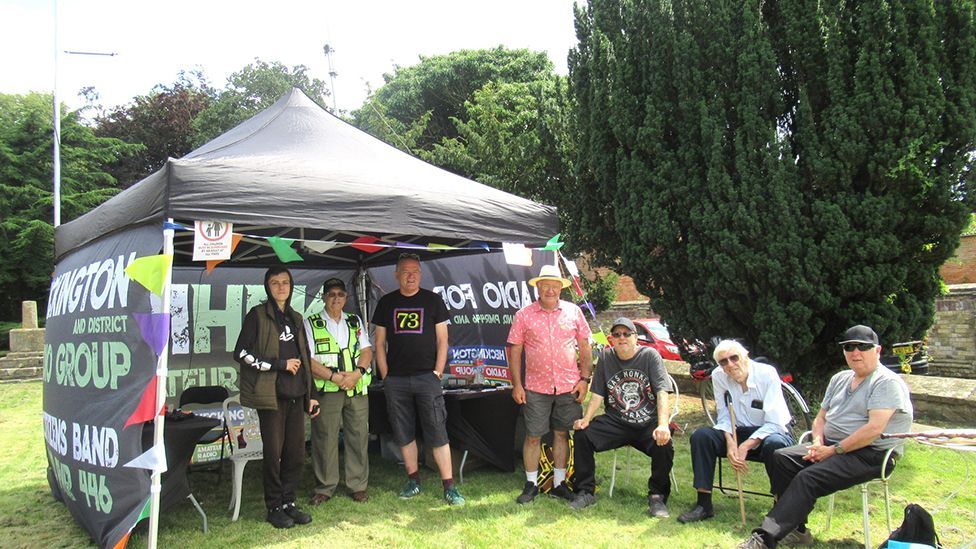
(284, 251)
(601, 338)
(554, 243)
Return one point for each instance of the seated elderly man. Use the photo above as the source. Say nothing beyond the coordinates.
(633, 385)
(761, 418)
(859, 405)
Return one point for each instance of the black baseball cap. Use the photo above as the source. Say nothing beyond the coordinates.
(859, 334)
(333, 283)
(625, 322)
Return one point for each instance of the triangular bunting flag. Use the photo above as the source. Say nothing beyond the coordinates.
(282, 248)
(410, 246)
(153, 459)
(477, 244)
(554, 243)
(151, 271)
(517, 254)
(364, 244)
(319, 246)
(435, 246)
(146, 410)
(601, 338)
(155, 329)
(235, 240)
(570, 265)
(592, 310)
(576, 284)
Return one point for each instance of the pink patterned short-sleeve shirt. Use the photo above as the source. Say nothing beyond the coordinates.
(550, 342)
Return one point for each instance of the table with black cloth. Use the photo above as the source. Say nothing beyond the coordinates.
(180, 437)
(481, 422)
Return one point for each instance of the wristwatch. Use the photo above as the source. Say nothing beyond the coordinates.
(838, 449)
(364, 371)
(587, 379)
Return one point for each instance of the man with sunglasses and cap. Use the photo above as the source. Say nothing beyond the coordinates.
(632, 385)
(341, 356)
(555, 338)
(860, 404)
(761, 420)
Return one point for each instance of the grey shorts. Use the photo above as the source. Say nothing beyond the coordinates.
(411, 397)
(550, 412)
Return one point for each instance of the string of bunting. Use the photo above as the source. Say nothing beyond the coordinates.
(515, 253)
(598, 336)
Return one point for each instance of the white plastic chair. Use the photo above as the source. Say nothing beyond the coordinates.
(674, 413)
(245, 444)
(865, 508)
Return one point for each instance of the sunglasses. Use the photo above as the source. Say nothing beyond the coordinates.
(335, 294)
(731, 359)
(863, 347)
(619, 335)
(408, 255)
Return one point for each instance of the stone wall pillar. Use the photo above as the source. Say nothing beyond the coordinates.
(952, 338)
(26, 357)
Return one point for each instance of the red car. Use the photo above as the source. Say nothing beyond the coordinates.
(651, 333)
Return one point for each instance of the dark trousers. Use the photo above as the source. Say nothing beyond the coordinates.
(798, 483)
(283, 436)
(708, 444)
(604, 434)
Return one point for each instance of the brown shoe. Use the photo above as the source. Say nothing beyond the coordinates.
(317, 499)
(361, 496)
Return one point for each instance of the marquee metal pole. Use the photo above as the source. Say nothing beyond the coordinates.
(161, 371)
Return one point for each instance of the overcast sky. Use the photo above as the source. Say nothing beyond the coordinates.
(155, 40)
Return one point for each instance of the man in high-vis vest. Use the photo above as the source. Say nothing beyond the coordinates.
(341, 356)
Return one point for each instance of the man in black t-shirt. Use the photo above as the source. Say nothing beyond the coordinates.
(411, 354)
(633, 385)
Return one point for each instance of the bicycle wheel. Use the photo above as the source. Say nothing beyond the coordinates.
(801, 421)
(707, 394)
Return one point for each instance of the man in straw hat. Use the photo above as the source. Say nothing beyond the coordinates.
(860, 403)
(556, 340)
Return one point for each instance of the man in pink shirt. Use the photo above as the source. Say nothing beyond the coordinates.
(556, 340)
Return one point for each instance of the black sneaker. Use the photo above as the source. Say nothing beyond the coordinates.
(529, 492)
(279, 519)
(562, 491)
(296, 514)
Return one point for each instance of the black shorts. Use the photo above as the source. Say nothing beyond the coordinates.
(411, 397)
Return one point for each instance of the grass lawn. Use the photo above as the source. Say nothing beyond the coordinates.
(942, 481)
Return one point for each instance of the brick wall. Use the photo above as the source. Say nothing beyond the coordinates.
(961, 269)
(952, 338)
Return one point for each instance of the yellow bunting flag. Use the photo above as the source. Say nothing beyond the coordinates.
(151, 271)
(601, 338)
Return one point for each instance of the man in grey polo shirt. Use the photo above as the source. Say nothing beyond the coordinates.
(847, 449)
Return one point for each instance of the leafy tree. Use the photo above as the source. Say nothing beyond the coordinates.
(440, 85)
(250, 90)
(501, 117)
(26, 233)
(161, 120)
(777, 171)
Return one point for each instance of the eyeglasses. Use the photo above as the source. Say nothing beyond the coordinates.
(619, 335)
(863, 347)
(335, 294)
(731, 359)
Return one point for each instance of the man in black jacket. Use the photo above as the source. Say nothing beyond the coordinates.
(276, 381)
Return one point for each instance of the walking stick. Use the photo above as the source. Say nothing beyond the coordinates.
(735, 440)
